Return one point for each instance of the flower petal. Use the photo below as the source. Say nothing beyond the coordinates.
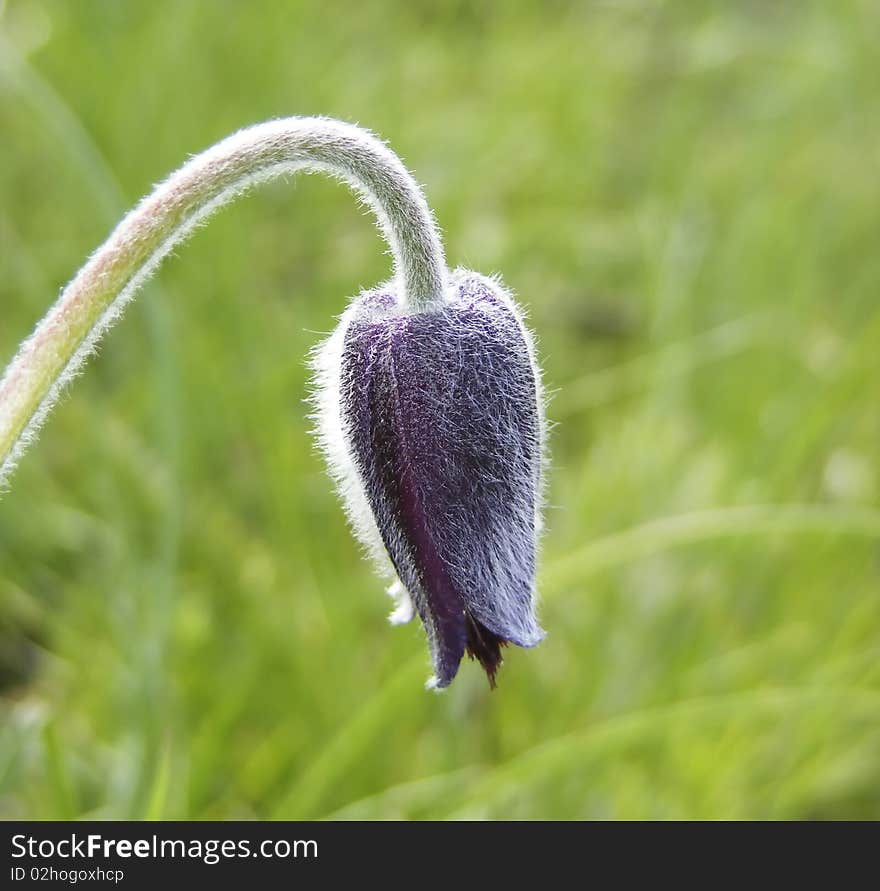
(442, 414)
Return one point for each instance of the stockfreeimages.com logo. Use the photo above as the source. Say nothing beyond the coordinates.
(210, 851)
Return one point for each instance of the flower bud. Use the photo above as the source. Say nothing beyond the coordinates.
(433, 426)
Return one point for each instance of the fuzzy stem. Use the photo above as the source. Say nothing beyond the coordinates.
(113, 274)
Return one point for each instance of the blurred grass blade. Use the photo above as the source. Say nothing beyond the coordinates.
(704, 525)
(409, 801)
(376, 716)
(666, 363)
(157, 802)
(63, 794)
(606, 736)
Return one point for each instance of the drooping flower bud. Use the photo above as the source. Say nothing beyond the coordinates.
(433, 426)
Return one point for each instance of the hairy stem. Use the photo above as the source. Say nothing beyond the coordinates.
(113, 274)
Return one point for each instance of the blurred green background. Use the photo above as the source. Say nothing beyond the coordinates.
(685, 196)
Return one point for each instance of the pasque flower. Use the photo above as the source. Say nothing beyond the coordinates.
(428, 395)
(432, 422)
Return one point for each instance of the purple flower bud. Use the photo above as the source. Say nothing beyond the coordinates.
(433, 426)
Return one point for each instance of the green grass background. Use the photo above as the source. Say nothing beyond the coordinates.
(686, 198)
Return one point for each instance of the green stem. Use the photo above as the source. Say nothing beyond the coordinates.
(113, 274)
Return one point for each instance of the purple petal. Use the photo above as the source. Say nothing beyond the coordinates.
(441, 413)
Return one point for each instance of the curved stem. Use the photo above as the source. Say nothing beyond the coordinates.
(113, 274)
